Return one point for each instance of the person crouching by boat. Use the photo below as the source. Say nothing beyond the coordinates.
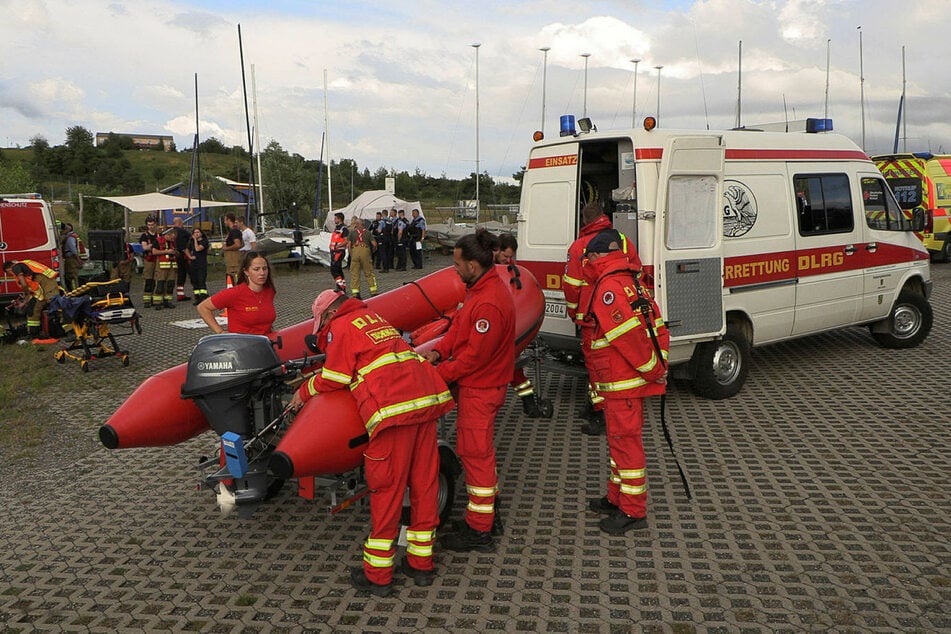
(250, 302)
(477, 353)
(400, 397)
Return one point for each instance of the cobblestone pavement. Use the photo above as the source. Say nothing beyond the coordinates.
(821, 503)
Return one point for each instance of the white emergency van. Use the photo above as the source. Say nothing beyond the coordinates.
(27, 232)
(747, 238)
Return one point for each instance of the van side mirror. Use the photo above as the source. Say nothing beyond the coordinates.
(918, 219)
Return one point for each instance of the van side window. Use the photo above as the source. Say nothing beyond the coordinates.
(824, 203)
(881, 210)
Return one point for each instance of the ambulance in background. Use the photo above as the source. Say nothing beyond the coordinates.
(747, 238)
(923, 180)
(27, 232)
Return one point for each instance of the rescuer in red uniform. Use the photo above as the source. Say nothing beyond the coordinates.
(400, 396)
(573, 284)
(478, 355)
(626, 357)
(338, 250)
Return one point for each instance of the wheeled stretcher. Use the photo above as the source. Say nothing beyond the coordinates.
(98, 312)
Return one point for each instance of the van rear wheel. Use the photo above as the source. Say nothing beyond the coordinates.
(908, 323)
(720, 367)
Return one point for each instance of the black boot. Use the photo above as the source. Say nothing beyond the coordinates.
(168, 303)
(596, 426)
(530, 406)
(468, 539)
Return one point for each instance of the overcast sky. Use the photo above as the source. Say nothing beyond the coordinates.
(401, 76)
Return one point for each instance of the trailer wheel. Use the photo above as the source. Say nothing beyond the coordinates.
(448, 470)
(720, 367)
(908, 323)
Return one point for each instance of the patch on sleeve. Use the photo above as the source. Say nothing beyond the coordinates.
(607, 298)
(482, 326)
(616, 316)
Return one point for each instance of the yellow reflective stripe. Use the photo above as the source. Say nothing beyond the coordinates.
(482, 492)
(378, 562)
(310, 386)
(571, 305)
(630, 474)
(382, 361)
(597, 398)
(615, 479)
(623, 328)
(633, 490)
(613, 464)
(620, 386)
(338, 377)
(379, 544)
(647, 367)
(420, 536)
(419, 551)
(598, 344)
(405, 407)
(571, 281)
(480, 508)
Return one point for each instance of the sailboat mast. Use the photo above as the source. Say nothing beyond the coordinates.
(257, 144)
(330, 204)
(904, 99)
(247, 120)
(828, 59)
(739, 88)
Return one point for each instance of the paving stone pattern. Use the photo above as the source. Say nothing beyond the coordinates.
(820, 503)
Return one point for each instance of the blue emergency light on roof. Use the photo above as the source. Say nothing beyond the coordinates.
(818, 125)
(567, 125)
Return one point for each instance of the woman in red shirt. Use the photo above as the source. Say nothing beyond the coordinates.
(250, 303)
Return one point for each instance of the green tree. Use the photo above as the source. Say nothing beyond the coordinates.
(212, 145)
(15, 178)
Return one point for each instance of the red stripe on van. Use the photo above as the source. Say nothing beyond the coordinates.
(796, 155)
(565, 160)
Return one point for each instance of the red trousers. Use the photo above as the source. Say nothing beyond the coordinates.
(597, 401)
(397, 457)
(627, 486)
(475, 446)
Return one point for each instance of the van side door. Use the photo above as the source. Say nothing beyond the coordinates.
(689, 272)
(547, 225)
(829, 260)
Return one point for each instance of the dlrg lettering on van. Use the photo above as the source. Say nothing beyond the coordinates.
(747, 238)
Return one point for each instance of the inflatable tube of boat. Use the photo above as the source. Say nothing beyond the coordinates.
(328, 436)
(137, 423)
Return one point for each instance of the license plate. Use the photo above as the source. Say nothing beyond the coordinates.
(556, 309)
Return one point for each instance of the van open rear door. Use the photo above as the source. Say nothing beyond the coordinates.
(689, 267)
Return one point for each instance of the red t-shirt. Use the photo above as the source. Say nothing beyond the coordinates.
(249, 313)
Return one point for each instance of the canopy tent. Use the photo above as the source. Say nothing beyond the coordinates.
(368, 203)
(156, 201)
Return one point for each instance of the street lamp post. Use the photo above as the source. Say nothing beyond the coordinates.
(584, 110)
(544, 50)
(476, 47)
(658, 93)
(635, 61)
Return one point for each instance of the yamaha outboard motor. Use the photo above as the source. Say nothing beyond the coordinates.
(237, 381)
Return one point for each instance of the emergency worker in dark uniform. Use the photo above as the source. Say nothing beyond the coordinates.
(338, 250)
(401, 234)
(477, 354)
(149, 241)
(593, 221)
(182, 238)
(400, 397)
(389, 240)
(626, 356)
(376, 230)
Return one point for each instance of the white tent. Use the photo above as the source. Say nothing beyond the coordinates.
(156, 201)
(368, 203)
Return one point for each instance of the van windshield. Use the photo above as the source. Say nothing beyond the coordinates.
(881, 210)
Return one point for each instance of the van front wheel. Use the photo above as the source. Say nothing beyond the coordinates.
(907, 325)
(720, 367)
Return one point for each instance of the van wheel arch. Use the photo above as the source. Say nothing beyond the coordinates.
(719, 368)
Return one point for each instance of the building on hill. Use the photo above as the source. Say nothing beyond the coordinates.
(144, 141)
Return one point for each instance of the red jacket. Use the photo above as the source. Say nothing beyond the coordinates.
(621, 357)
(391, 384)
(479, 348)
(573, 281)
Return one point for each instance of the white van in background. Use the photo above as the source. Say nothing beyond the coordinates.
(747, 238)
